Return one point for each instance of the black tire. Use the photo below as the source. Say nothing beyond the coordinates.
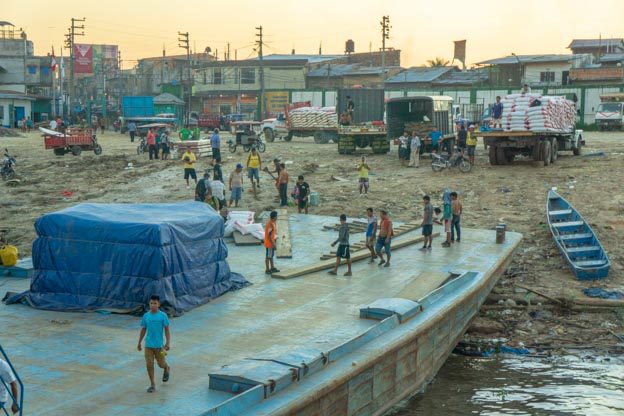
(97, 149)
(261, 147)
(9, 174)
(537, 152)
(492, 155)
(289, 137)
(464, 166)
(361, 142)
(59, 152)
(319, 138)
(554, 148)
(246, 147)
(140, 150)
(269, 135)
(232, 148)
(546, 147)
(76, 150)
(501, 156)
(577, 150)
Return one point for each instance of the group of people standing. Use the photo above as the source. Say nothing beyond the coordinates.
(412, 145)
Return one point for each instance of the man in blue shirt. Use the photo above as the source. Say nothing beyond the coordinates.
(497, 113)
(435, 136)
(215, 143)
(132, 129)
(154, 323)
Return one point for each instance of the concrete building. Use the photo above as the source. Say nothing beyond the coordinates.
(20, 69)
(597, 47)
(14, 106)
(333, 76)
(535, 70)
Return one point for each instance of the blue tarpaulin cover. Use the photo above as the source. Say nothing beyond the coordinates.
(115, 256)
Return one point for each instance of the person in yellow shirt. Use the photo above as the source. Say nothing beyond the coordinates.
(189, 160)
(254, 164)
(363, 170)
(471, 144)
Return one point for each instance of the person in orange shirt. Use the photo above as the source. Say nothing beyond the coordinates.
(151, 143)
(270, 237)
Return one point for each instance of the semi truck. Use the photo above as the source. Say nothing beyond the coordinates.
(610, 113)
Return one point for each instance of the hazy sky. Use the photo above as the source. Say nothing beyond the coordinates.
(421, 29)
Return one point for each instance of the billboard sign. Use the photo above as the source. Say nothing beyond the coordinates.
(83, 58)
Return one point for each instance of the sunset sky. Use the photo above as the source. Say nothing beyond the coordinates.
(421, 29)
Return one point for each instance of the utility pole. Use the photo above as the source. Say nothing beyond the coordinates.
(259, 44)
(183, 39)
(385, 34)
(72, 37)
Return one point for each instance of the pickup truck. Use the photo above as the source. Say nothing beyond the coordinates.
(275, 127)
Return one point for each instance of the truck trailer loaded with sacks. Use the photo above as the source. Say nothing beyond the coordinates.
(535, 126)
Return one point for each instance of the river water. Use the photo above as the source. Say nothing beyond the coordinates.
(568, 385)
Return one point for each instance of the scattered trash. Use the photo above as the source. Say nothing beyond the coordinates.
(130, 166)
(506, 190)
(67, 194)
(596, 292)
(600, 153)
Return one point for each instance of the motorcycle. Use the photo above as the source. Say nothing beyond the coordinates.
(258, 143)
(7, 172)
(142, 147)
(443, 161)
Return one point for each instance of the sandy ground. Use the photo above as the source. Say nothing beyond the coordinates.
(512, 194)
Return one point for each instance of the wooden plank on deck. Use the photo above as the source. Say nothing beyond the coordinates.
(283, 249)
(245, 239)
(328, 264)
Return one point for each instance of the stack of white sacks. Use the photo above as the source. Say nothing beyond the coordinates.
(311, 117)
(538, 113)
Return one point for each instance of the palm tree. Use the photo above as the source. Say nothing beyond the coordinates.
(437, 62)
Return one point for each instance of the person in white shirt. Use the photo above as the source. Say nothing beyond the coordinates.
(403, 148)
(415, 151)
(7, 376)
(218, 191)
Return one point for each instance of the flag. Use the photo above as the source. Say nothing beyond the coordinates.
(460, 51)
(62, 64)
(53, 62)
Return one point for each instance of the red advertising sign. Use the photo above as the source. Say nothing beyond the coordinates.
(83, 58)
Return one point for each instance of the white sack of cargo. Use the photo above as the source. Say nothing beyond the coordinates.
(537, 113)
(313, 117)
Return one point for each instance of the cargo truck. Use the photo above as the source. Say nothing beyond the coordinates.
(610, 113)
(421, 114)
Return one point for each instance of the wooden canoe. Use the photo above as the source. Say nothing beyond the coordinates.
(576, 240)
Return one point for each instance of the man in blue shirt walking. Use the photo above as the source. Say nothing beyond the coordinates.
(435, 137)
(215, 143)
(154, 323)
(497, 114)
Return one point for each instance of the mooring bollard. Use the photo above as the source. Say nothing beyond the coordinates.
(500, 233)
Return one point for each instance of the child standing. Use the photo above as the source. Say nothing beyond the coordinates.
(343, 246)
(270, 237)
(371, 232)
(427, 223)
(363, 170)
(457, 210)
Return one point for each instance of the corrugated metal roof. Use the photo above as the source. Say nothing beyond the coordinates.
(340, 70)
(529, 59)
(309, 58)
(612, 57)
(167, 98)
(419, 74)
(464, 78)
(596, 43)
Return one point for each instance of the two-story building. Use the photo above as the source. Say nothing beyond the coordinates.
(535, 70)
(24, 73)
(597, 47)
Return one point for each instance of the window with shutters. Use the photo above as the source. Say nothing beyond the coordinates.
(547, 76)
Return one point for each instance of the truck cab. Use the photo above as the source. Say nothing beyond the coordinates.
(275, 127)
(610, 116)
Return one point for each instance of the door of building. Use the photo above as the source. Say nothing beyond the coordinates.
(20, 113)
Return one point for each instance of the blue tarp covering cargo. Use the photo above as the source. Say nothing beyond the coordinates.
(115, 256)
